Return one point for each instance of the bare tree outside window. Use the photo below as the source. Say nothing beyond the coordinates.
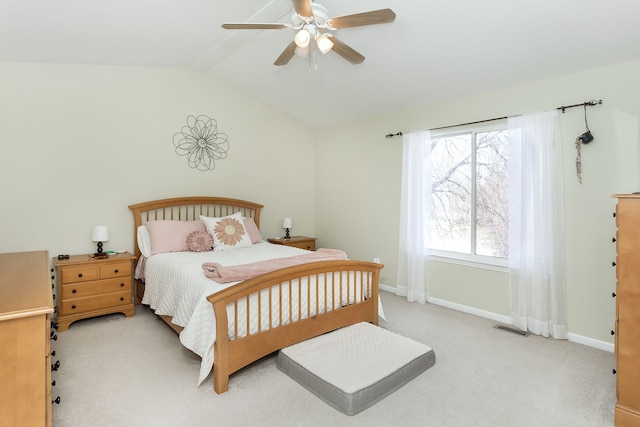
(469, 193)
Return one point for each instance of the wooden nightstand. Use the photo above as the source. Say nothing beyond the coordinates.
(302, 242)
(90, 287)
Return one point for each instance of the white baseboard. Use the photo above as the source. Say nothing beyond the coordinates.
(591, 342)
(580, 339)
(470, 310)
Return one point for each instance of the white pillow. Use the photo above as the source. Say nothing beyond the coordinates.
(144, 241)
(228, 231)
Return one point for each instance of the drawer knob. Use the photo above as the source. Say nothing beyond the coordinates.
(73, 306)
(79, 274)
(74, 291)
(122, 285)
(121, 298)
(116, 271)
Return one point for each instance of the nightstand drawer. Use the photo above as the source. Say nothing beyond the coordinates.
(115, 269)
(82, 305)
(82, 273)
(302, 242)
(87, 289)
(309, 245)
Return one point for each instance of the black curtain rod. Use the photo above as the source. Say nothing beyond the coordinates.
(563, 108)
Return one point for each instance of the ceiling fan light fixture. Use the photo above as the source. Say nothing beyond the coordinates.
(302, 38)
(324, 43)
(308, 21)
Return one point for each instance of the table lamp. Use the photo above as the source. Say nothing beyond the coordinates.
(287, 224)
(100, 234)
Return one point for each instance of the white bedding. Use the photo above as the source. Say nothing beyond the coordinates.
(176, 286)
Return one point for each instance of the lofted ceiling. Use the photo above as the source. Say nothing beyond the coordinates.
(434, 51)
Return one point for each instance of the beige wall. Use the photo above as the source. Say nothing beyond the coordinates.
(81, 143)
(358, 181)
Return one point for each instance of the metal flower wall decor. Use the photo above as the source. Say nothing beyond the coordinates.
(201, 142)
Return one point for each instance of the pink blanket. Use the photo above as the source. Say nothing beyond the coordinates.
(235, 273)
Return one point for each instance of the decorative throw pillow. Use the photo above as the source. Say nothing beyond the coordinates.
(171, 235)
(252, 229)
(228, 232)
(199, 241)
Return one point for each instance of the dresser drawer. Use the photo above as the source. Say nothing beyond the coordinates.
(115, 269)
(81, 273)
(82, 305)
(99, 287)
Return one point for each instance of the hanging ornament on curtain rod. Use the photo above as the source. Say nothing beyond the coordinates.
(585, 138)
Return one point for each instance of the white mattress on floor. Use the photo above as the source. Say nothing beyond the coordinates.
(354, 367)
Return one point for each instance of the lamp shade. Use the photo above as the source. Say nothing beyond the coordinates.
(324, 43)
(302, 38)
(100, 233)
(287, 223)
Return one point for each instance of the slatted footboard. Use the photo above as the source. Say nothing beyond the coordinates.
(284, 307)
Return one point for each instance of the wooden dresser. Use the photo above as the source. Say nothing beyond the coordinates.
(26, 303)
(627, 326)
(90, 287)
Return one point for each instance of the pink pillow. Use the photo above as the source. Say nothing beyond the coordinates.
(252, 229)
(199, 241)
(171, 236)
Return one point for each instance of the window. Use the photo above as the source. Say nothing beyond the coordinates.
(469, 193)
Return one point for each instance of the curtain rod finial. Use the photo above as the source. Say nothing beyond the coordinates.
(391, 135)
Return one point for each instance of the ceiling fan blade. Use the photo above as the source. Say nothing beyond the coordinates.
(286, 54)
(381, 16)
(346, 52)
(246, 26)
(303, 7)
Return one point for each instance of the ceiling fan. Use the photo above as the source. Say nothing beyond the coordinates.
(311, 21)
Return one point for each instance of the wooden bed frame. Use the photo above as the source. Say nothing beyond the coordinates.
(230, 355)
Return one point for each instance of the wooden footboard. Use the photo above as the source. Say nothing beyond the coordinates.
(301, 302)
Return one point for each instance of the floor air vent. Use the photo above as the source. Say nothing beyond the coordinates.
(512, 330)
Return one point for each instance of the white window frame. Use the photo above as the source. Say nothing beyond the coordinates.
(472, 260)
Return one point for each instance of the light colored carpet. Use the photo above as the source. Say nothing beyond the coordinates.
(118, 371)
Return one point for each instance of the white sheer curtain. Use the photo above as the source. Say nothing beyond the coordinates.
(536, 225)
(416, 188)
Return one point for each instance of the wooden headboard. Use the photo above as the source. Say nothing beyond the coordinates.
(189, 209)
